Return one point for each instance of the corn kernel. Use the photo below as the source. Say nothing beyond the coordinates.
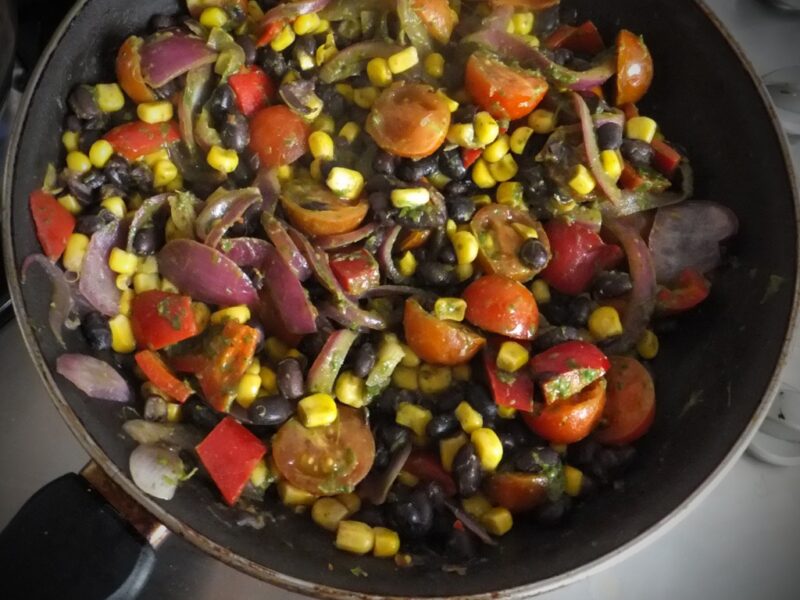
(328, 513)
(125, 299)
(324, 25)
(77, 161)
(573, 480)
(115, 205)
(452, 105)
(347, 183)
(350, 131)
(448, 448)
(290, 77)
(224, 161)
(512, 356)
(407, 265)
(482, 176)
(276, 349)
(317, 410)
(466, 247)
(410, 358)
(434, 65)
(164, 173)
(294, 496)
(152, 158)
(145, 282)
(122, 339)
(71, 203)
(434, 379)
(486, 128)
(410, 197)
(476, 506)
(174, 412)
(269, 380)
(315, 169)
(510, 193)
(450, 309)
(351, 502)
(109, 97)
(350, 389)
(247, 389)
(408, 479)
(122, 262)
(123, 284)
(641, 128)
(284, 172)
(504, 169)
(378, 72)
(542, 121)
(462, 372)
(531, 40)
(387, 543)
(70, 140)
(438, 180)
(519, 139)
(488, 447)
(155, 112)
(365, 97)
(647, 346)
(540, 291)
(100, 152)
(406, 378)
(604, 323)
(239, 313)
(283, 40)
(258, 476)
(355, 537)
(345, 90)
(582, 181)
(498, 520)
(464, 272)
(324, 123)
(403, 60)
(321, 145)
(168, 286)
(201, 314)
(506, 412)
(496, 150)
(612, 164)
(522, 22)
(75, 252)
(213, 16)
(469, 418)
(325, 52)
(482, 199)
(305, 24)
(254, 368)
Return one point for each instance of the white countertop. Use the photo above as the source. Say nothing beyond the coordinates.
(742, 541)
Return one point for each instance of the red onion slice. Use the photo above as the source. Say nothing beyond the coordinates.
(608, 186)
(289, 10)
(94, 377)
(288, 296)
(636, 202)
(168, 55)
(218, 205)
(353, 59)
(342, 240)
(245, 251)
(156, 471)
(320, 265)
(98, 282)
(62, 304)
(144, 215)
(197, 85)
(385, 257)
(267, 183)
(351, 315)
(277, 234)
(233, 215)
(323, 372)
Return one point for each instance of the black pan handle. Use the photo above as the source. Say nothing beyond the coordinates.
(79, 536)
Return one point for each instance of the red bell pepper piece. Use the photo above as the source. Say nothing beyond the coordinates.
(691, 289)
(269, 33)
(630, 179)
(188, 363)
(160, 319)
(54, 223)
(357, 271)
(665, 158)
(158, 373)
(514, 390)
(230, 353)
(469, 156)
(253, 89)
(584, 39)
(230, 453)
(427, 467)
(565, 369)
(137, 138)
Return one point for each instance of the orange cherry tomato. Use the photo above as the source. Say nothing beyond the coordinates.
(409, 119)
(437, 341)
(278, 135)
(325, 461)
(315, 210)
(518, 492)
(437, 16)
(502, 305)
(634, 68)
(571, 419)
(502, 91)
(129, 71)
(630, 403)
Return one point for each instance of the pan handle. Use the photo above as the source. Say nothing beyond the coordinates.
(80, 536)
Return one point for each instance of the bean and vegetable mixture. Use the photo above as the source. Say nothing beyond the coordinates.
(399, 264)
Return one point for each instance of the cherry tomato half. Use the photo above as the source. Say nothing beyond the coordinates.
(409, 119)
(129, 71)
(690, 289)
(437, 17)
(634, 68)
(437, 341)
(315, 210)
(502, 305)
(518, 492)
(278, 135)
(630, 403)
(565, 369)
(325, 460)
(502, 91)
(571, 419)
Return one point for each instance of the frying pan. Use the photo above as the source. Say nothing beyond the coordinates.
(714, 375)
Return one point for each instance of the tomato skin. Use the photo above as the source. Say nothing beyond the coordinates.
(409, 120)
(230, 352)
(278, 135)
(427, 467)
(129, 71)
(137, 138)
(500, 90)
(160, 319)
(665, 158)
(502, 305)
(518, 492)
(584, 39)
(54, 223)
(634, 68)
(252, 88)
(357, 271)
(437, 16)
(571, 419)
(578, 254)
(315, 210)
(300, 453)
(436, 341)
(690, 290)
(158, 373)
(513, 390)
(565, 369)
(630, 403)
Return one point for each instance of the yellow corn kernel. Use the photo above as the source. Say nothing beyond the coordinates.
(152, 158)
(486, 128)
(448, 448)
(71, 203)
(276, 349)
(403, 60)
(438, 180)
(498, 520)
(269, 380)
(239, 313)
(351, 502)
(125, 299)
(482, 176)
(647, 346)
(542, 121)
(258, 476)
(450, 309)
(355, 537)
(115, 205)
(321, 145)
(305, 24)
(295, 353)
(122, 262)
(504, 169)
(378, 72)
(573, 479)
(464, 272)
(522, 22)
(224, 161)
(488, 447)
(612, 164)
(254, 368)
(201, 314)
(540, 291)
(175, 184)
(294, 496)
(315, 169)
(345, 90)
(387, 543)
(350, 389)
(145, 282)
(100, 152)
(70, 140)
(347, 183)
(350, 131)
(604, 323)
(434, 379)
(290, 77)
(77, 161)
(450, 227)
(434, 65)
(406, 378)
(410, 358)
(462, 134)
(155, 112)
(462, 372)
(496, 150)
(408, 479)
(510, 193)
(531, 40)
(407, 265)
(641, 128)
(75, 252)
(469, 418)
(582, 181)
(482, 199)
(506, 412)
(476, 506)
(325, 123)
(247, 389)
(122, 339)
(283, 40)
(410, 197)
(174, 412)
(465, 245)
(325, 51)
(365, 97)
(109, 97)
(285, 172)
(317, 410)
(519, 139)
(328, 513)
(165, 173)
(512, 356)
(123, 284)
(324, 25)
(213, 16)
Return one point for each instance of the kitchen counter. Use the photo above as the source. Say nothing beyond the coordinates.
(741, 541)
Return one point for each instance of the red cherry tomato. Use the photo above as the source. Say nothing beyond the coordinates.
(437, 17)
(502, 305)
(438, 341)
(518, 492)
(129, 71)
(630, 403)
(357, 271)
(571, 419)
(690, 290)
(160, 319)
(253, 89)
(278, 135)
(315, 210)
(137, 138)
(54, 223)
(584, 39)
(500, 90)
(514, 390)
(228, 353)
(565, 369)
(634, 68)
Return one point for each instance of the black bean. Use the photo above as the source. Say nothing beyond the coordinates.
(442, 425)
(553, 512)
(447, 255)
(592, 101)
(639, 152)
(87, 138)
(412, 517)
(449, 399)
(535, 186)
(290, 378)
(168, 90)
(462, 187)
(467, 471)
(162, 21)
(562, 56)
(533, 254)
(117, 171)
(414, 170)
(460, 208)
(200, 414)
(260, 334)
(72, 123)
(89, 223)
(384, 163)
(394, 436)
(93, 179)
(611, 284)
(235, 131)
(371, 515)
(272, 62)
(578, 310)
(554, 336)
(465, 113)
(434, 491)
(509, 442)
(109, 190)
(155, 409)
(364, 359)
(270, 411)
(436, 274)
(479, 399)
(382, 456)
(81, 101)
(146, 241)
(386, 403)
(609, 136)
(460, 546)
(93, 127)
(451, 164)
(221, 101)
(142, 177)
(536, 460)
(555, 311)
(96, 331)
(582, 453)
(249, 46)
(335, 104)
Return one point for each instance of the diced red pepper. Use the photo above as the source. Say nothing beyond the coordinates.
(253, 89)
(158, 373)
(160, 319)
(513, 390)
(691, 289)
(469, 156)
(427, 467)
(269, 33)
(230, 453)
(54, 223)
(188, 363)
(584, 39)
(137, 138)
(229, 354)
(630, 179)
(565, 369)
(357, 271)
(665, 158)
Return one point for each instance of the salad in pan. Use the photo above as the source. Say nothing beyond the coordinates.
(398, 264)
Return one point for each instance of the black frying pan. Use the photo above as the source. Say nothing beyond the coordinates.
(714, 375)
